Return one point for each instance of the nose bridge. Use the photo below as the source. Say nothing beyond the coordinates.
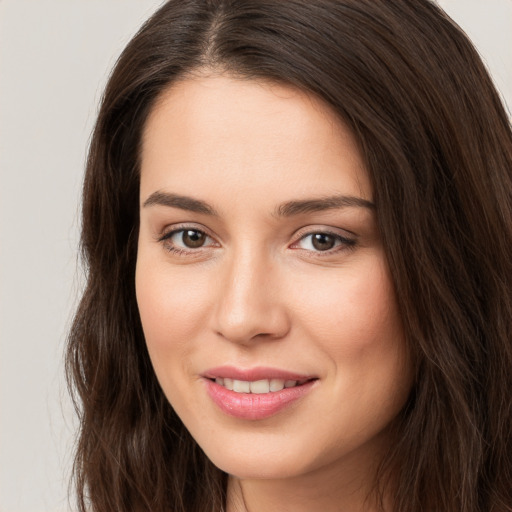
(248, 301)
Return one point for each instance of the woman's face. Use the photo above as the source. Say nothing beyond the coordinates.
(265, 297)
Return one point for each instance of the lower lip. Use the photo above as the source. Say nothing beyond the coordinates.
(255, 406)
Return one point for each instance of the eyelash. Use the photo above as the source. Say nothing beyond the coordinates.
(165, 239)
(343, 243)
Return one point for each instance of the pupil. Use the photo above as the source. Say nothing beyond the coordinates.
(322, 241)
(192, 238)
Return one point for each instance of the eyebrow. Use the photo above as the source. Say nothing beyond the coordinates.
(287, 209)
(182, 202)
(291, 208)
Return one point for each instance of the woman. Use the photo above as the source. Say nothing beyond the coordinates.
(296, 223)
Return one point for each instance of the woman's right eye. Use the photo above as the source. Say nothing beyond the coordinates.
(186, 240)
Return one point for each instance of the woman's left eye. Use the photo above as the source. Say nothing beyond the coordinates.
(323, 242)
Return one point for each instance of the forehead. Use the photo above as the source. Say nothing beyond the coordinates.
(247, 134)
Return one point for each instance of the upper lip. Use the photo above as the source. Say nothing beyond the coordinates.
(254, 374)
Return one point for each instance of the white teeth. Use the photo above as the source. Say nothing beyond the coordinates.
(257, 386)
(241, 386)
(260, 386)
(276, 384)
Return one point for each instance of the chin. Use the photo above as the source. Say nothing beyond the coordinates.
(257, 467)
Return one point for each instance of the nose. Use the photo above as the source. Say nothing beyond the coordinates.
(250, 305)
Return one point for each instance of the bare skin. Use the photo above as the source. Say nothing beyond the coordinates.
(259, 251)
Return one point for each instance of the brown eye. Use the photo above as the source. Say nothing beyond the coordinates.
(323, 241)
(193, 238)
(186, 239)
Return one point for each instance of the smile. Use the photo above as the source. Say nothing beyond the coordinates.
(257, 386)
(255, 394)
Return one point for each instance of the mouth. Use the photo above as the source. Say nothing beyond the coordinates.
(259, 387)
(257, 393)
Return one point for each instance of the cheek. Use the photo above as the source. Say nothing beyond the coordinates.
(353, 310)
(354, 321)
(172, 307)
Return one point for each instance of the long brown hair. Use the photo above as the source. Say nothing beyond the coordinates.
(438, 148)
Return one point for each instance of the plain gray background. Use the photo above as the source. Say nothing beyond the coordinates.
(55, 56)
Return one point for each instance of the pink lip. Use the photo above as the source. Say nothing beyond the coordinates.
(252, 374)
(250, 406)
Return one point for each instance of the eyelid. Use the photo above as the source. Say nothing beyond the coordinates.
(346, 242)
(322, 228)
(174, 232)
(170, 231)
